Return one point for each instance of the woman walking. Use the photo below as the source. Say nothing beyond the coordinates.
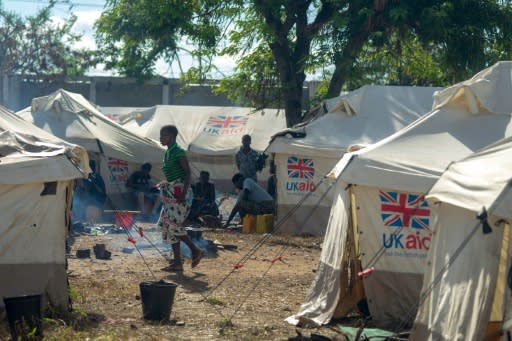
(177, 198)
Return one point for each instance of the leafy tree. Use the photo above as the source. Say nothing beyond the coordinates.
(277, 42)
(132, 35)
(36, 46)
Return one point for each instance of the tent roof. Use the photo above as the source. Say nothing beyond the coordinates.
(482, 179)
(260, 124)
(71, 117)
(117, 114)
(360, 117)
(465, 118)
(188, 119)
(29, 154)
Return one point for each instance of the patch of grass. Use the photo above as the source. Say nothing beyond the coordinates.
(225, 327)
(215, 301)
(75, 296)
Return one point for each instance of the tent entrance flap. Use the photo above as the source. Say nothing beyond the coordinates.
(352, 288)
(495, 324)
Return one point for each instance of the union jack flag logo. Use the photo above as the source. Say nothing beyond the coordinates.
(403, 209)
(300, 168)
(117, 166)
(227, 121)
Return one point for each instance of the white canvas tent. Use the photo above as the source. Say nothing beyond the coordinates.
(117, 114)
(378, 217)
(147, 122)
(118, 151)
(465, 293)
(219, 139)
(37, 171)
(304, 155)
(212, 135)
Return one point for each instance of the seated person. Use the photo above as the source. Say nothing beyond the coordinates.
(204, 198)
(89, 196)
(272, 180)
(252, 198)
(141, 186)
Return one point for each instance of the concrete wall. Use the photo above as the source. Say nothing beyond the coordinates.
(17, 92)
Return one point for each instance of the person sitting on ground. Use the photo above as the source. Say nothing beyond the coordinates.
(204, 198)
(272, 180)
(95, 195)
(143, 189)
(252, 199)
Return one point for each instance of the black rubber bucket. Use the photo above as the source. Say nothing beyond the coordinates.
(24, 316)
(157, 299)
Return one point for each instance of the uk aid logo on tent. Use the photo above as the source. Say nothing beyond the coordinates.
(224, 125)
(118, 170)
(301, 174)
(411, 214)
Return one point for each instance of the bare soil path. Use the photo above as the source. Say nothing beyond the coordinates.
(213, 301)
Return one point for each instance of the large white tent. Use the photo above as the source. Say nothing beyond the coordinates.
(147, 122)
(37, 171)
(212, 135)
(215, 146)
(117, 150)
(304, 155)
(465, 293)
(379, 219)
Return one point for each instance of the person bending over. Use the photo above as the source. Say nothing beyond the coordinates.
(252, 198)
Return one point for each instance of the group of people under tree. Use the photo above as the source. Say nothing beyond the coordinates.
(252, 198)
(147, 195)
(248, 162)
(179, 199)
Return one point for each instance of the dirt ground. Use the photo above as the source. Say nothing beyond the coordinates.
(214, 301)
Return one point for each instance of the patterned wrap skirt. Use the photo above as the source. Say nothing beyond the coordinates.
(173, 213)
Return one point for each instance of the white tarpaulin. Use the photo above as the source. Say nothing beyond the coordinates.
(117, 114)
(305, 154)
(411, 160)
(212, 135)
(394, 237)
(118, 151)
(147, 122)
(36, 183)
(464, 264)
(320, 303)
(214, 148)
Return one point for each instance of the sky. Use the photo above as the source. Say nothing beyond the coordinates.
(87, 11)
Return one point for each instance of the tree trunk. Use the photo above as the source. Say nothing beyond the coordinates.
(360, 32)
(344, 64)
(293, 104)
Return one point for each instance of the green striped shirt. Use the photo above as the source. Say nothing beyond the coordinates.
(171, 165)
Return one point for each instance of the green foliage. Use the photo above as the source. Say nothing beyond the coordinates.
(255, 81)
(215, 301)
(35, 45)
(400, 61)
(133, 35)
(277, 42)
(225, 326)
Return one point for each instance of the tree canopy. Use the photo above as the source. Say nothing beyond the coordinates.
(34, 45)
(276, 43)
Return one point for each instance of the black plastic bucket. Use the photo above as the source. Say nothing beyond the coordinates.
(157, 299)
(24, 316)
